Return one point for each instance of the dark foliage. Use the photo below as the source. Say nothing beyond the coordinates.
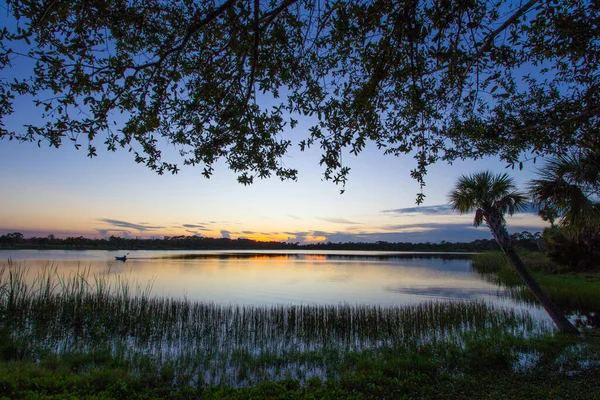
(579, 253)
(439, 80)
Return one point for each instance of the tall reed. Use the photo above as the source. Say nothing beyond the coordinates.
(57, 314)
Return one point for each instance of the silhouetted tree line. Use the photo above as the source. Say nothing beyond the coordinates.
(16, 240)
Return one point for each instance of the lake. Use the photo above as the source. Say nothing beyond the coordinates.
(282, 277)
(258, 315)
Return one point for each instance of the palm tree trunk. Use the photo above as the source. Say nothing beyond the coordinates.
(552, 309)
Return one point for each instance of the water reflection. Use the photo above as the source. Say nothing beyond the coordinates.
(463, 293)
(261, 278)
(316, 256)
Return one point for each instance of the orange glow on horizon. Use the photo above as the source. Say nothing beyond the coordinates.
(261, 237)
(314, 239)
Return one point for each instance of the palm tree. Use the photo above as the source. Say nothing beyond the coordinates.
(491, 197)
(568, 188)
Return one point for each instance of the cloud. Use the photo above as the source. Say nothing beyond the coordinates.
(193, 232)
(446, 209)
(105, 232)
(458, 234)
(425, 226)
(415, 233)
(427, 210)
(125, 224)
(225, 234)
(248, 232)
(296, 236)
(114, 232)
(319, 233)
(194, 226)
(294, 217)
(339, 221)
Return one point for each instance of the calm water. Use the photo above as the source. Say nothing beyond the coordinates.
(273, 277)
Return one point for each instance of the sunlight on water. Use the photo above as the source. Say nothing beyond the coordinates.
(262, 278)
(240, 317)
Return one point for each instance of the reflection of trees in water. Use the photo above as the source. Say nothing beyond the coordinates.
(305, 256)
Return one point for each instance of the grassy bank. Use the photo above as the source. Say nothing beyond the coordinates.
(575, 293)
(87, 336)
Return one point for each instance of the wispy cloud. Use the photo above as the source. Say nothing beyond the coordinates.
(194, 226)
(294, 217)
(296, 233)
(194, 232)
(426, 210)
(423, 226)
(339, 221)
(130, 225)
(445, 209)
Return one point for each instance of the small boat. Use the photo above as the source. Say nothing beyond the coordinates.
(124, 258)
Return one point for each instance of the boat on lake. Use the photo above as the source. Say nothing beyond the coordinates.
(123, 258)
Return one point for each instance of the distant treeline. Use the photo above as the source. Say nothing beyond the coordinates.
(16, 240)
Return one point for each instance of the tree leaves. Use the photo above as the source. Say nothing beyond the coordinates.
(219, 80)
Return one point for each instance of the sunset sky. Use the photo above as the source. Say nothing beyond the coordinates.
(62, 192)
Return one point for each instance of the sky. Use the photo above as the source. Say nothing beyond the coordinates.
(65, 193)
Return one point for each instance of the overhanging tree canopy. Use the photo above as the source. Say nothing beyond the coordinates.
(438, 79)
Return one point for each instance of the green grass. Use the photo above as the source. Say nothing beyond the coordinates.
(480, 370)
(575, 293)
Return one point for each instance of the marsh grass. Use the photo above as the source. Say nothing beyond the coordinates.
(98, 319)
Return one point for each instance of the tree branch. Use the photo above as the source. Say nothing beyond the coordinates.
(192, 29)
(554, 124)
(271, 15)
(489, 41)
(492, 36)
(255, 50)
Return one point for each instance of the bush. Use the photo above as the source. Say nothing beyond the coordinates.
(579, 252)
